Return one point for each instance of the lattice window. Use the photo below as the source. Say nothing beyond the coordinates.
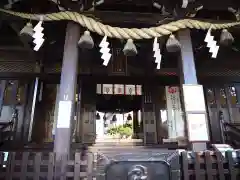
(233, 95)
(119, 61)
(223, 97)
(211, 96)
(11, 97)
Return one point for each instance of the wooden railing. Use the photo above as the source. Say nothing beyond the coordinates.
(184, 166)
(231, 133)
(210, 166)
(29, 165)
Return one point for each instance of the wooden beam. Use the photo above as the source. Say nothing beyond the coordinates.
(109, 17)
(3, 85)
(26, 45)
(12, 48)
(14, 55)
(129, 17)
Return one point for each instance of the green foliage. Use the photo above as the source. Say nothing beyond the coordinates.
(122, 130)
(112, 131)
(125, 131)
(128, 125)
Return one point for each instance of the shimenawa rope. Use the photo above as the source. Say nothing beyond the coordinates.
(124, 33)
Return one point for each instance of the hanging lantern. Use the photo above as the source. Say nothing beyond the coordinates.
(27, 31)
(129, 117)
(226, 38)
(173, 45)
(98, 116)
(130, 48)
(104, 117)
(114, 118)
(86, 41)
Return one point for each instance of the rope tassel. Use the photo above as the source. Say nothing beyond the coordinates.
(226, 38)
(27, 31)
(130, 48)
(173, 45)
(86, 41)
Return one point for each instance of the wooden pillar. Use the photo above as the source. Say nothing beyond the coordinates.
(15, 111)
(158, 103)
(67, 92)
(88, 110)
(149, 119)
(55, 111)
(3, 85)
(78, 123)
(193, 97)
(135, 124)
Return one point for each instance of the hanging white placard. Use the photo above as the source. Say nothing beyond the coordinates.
(174, 112)
(139, 90)
(118, 89)
(107, 88)
(99, 89)
(64, 114)
(130, 90)
(197, 128)
(194, 98)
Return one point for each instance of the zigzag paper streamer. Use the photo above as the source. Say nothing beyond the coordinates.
(106, 56)
(157, 53)
(211, 44)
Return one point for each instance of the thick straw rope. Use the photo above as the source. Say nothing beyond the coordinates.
(124, 33)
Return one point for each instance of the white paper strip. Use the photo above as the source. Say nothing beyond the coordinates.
(184, 3)
(107, 89)
(118, 89)
(194, 98)
(130, 90)
(197, 127)
(139, 90)
(99, 89)
(64, 114)
(174, 112)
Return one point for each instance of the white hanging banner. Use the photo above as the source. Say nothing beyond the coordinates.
(99, 89)
(107, 88)
(193, 102)
(64, 114)
(184, 3)
(197, 128)
(138, 90)
(130, 90)
(118, 89)
(174, 112)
